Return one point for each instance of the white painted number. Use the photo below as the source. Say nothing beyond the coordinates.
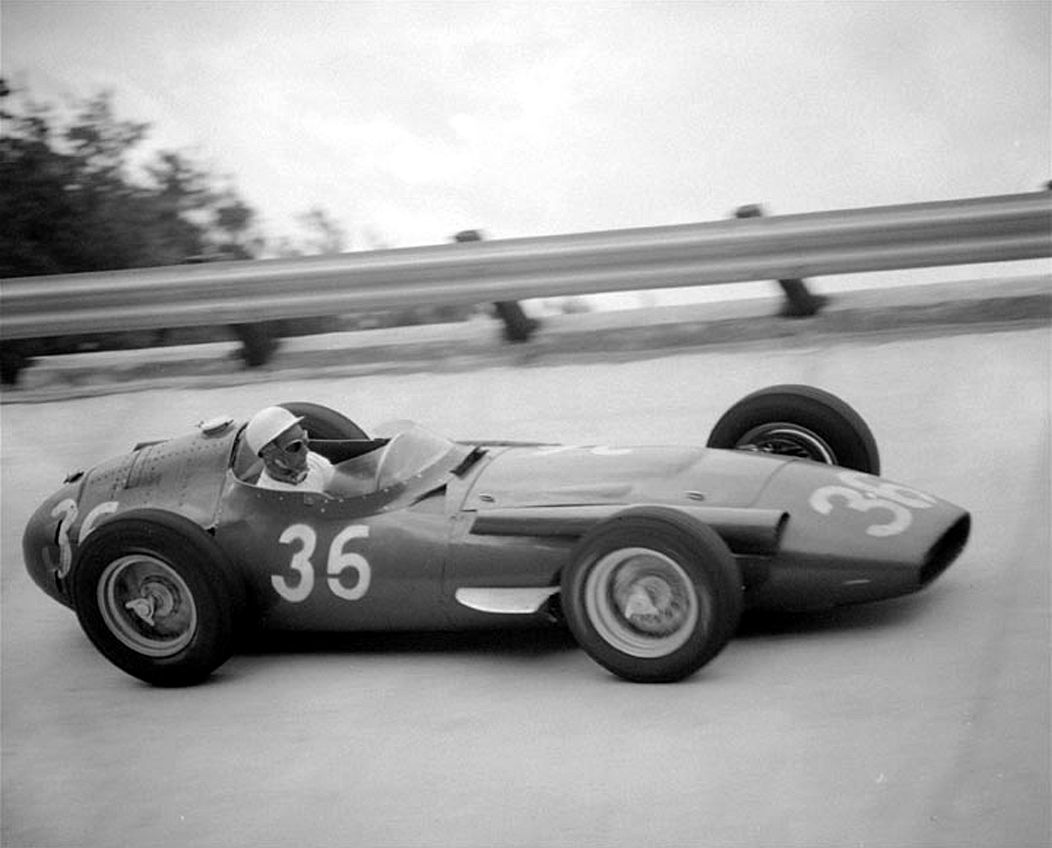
(889, 491)
(901, 518)
(864, 493)
(307, 539)
(340, 561)
(67, 509)
(67, 512)
(92, 518)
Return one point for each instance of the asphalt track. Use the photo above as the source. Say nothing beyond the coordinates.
(917, 722)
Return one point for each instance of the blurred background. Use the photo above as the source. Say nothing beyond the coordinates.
(157, 133)
(142, 133)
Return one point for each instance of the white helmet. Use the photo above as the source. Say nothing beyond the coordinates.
(266, 425)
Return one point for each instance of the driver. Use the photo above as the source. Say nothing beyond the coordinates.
(274, 434)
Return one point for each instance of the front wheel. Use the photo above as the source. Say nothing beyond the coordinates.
(652, 595)
(156, 596)
(802, 422)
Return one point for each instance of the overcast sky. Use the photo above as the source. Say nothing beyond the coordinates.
(415, 120)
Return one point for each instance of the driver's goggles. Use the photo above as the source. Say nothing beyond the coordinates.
(294, 447)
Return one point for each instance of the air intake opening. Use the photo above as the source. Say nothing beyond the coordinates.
(946, 550)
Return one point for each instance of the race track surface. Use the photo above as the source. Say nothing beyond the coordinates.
(917, 722)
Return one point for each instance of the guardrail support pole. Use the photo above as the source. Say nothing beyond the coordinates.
(259, 339)
(517, 326)
(799, 301)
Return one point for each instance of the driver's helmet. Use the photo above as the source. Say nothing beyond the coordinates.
(266, 425)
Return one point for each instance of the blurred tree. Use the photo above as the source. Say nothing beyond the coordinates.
(72, 199)
(325, 235)
(234, 221)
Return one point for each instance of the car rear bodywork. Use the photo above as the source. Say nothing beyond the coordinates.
(805, 535)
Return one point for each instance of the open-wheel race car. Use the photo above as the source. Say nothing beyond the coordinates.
(170, 553)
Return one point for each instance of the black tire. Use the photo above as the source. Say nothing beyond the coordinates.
(799, 421)
(158, 598)
(680, 576)
(323, 423)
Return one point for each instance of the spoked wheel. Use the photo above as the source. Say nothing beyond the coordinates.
(158, 597)
(802, 422)
(652, 595)
(787, 439)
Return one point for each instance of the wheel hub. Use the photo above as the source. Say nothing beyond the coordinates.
(157, 599)
(147, 605)
(641, 602)
(649, 603)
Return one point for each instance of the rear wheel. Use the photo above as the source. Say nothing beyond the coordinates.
(652, 595)
(156, 596)
(798, 421)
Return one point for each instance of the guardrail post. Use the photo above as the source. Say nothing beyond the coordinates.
(14, 358)
(260, 339)
(518, 327)
(799, 301)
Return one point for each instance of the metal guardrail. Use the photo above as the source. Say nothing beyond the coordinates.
(960, 232)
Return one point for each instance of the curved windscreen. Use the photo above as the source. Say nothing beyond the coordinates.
(409, 454)
(411, 451)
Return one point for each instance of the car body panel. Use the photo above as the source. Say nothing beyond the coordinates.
(894, 536)
(418, 519)
(559, 475)
(185, 475)
(309, 564)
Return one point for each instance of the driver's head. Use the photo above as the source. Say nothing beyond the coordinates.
(275, 435)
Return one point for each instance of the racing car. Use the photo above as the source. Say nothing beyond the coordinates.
(170, 554)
